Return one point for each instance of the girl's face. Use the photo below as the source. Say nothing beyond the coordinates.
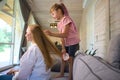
(28, 34)
(56, 14)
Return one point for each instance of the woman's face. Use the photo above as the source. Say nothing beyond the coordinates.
(28, 34)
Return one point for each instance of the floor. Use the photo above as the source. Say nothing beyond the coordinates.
(53, 74)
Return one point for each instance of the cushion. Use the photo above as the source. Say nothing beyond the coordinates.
(114, 51)
(87, 67)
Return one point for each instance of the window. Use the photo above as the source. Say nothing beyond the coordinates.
(6, 33)
(6, 43)
(11, 29)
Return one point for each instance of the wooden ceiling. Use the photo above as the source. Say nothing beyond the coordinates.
(6, 13)
(42, 7)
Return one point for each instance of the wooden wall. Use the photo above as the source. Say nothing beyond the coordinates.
(106, 24)
(101, 28)
(114, 17)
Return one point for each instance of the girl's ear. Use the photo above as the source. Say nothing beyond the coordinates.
(59, 11)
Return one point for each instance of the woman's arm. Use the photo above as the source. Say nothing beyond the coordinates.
(26, 65)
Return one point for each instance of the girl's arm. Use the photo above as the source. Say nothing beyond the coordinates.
(63, 46)
(64, 34)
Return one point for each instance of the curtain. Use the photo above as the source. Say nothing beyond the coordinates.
(25, 13)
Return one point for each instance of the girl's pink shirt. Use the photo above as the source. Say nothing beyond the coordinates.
(73, 37)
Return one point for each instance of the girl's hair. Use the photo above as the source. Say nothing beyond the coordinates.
(64, 9)
(60, 6)
(45, 45)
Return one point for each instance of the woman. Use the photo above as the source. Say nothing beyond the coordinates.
(35, 64)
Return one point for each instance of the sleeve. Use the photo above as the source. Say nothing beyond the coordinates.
(26, 64)
(66, 21)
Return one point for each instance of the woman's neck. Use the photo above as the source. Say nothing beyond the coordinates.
(33, 42)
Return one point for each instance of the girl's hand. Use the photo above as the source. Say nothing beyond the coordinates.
(63, 51)
(48, 32)
(65, 56)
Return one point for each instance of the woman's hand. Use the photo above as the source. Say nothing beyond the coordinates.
(12, 72)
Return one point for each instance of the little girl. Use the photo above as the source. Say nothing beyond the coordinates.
(68, 34)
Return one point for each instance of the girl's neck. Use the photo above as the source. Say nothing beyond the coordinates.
(61, 17)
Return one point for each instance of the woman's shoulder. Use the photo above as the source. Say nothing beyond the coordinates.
(35, 49)
(33, 52)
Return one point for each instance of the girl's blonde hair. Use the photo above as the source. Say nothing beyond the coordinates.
(60, 6)
(44, 44)
(56, 7)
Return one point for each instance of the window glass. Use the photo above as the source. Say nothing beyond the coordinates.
(5, 32)
(11, 30)
(5, 55)
(5, 43)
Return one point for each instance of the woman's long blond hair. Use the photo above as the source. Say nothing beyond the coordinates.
(44, 44)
